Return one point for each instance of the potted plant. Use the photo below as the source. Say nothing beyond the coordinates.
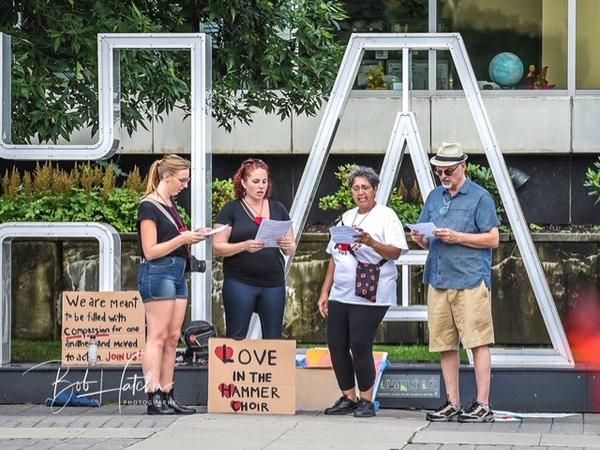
(375, 78)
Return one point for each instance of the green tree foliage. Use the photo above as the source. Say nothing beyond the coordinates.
(54, 89)
(283, 54)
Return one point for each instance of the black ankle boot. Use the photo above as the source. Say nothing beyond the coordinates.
(156, 404)
(177, 407)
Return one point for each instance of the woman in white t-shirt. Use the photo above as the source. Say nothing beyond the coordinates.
(355, 301)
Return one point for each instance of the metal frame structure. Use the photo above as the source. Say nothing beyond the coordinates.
(405, 134)
(560, 354)
(109, 127)
(109, 271)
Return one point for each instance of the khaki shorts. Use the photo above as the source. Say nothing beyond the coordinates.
(463, 315)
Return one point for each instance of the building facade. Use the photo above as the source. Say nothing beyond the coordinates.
(547, 123)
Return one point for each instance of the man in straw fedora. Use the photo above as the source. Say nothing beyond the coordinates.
(458, 275)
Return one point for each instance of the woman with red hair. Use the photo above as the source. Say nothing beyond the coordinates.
(254, 278)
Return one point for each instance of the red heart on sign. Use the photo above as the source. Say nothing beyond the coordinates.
(224, 353)
(235, 405)
(227, 390)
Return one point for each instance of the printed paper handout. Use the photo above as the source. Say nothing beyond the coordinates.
(343, 234)
(216, 230)
(426, 229)
(270, 231)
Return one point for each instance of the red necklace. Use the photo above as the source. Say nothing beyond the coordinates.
(258, 218)
(174, 213)
(177, 217)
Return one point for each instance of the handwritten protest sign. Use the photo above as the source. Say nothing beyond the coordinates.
(116, 319)
(252, 376)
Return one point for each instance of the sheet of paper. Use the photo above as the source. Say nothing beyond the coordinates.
(343, 234)
(216, 230)
(425, 229)
(270, 231)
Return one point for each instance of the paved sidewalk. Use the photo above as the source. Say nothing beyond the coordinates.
(36, 427)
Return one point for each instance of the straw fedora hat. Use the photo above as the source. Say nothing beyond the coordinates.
(449, 154)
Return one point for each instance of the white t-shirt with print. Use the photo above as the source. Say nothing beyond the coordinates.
(383, 225)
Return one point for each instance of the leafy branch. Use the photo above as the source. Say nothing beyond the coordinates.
(276, 56)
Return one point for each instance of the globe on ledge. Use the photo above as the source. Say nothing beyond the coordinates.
(506, 69)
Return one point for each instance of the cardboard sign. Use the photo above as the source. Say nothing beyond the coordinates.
(316, 389)
(315, 369)
(252, 376)
(115, 318)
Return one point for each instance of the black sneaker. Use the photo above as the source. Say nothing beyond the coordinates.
(445, 413)
(477, 413)
(365, 408)
(342, 406)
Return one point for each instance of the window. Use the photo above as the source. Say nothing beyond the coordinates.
(383, 69)
(533, 30)
(588, 41)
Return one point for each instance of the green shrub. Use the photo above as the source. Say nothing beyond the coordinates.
(407, 211)
(483, 177)
(134, 180)
(85, 194)
(342, 199)
(592, 180)
(408, 205)
(222, 192)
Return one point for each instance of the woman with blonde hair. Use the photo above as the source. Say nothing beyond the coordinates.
(164, 241)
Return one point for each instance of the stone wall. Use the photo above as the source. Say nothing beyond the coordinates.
(570, 262)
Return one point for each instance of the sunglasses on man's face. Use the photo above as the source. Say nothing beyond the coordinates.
(447, 172)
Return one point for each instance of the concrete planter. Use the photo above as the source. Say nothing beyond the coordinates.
(570, 262)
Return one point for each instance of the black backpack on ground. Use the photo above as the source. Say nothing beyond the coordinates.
(195, 336)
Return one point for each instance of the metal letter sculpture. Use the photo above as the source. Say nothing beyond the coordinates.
(109, 129)
(405, 131)
(109, 270)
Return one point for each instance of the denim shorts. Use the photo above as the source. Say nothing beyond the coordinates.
(163, 279)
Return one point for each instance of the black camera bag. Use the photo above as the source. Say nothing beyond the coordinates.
(195, 336)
